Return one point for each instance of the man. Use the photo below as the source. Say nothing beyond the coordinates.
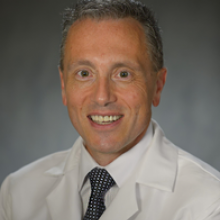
(122, 167)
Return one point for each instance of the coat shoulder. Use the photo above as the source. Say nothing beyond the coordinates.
(25, 190)
(198, 184)
(193, 165)
(34, 173)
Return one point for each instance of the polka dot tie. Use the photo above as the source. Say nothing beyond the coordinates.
(101, 182)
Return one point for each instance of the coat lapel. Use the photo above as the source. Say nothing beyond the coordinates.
(64, 202)
(124, 205)
(156, 170)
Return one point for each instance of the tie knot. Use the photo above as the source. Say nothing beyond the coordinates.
(101, 182)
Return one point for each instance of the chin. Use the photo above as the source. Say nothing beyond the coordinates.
(104, 147)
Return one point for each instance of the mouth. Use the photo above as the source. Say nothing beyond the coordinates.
(105, 120)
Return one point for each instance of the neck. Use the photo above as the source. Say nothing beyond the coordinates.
(105, 158)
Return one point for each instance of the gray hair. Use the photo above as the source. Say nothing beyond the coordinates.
(116, 9)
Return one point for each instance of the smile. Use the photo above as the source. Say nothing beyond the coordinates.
(103, 120)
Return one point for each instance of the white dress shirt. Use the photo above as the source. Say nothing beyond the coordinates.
(120, 169)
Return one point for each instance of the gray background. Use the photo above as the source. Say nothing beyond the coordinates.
(33, 121)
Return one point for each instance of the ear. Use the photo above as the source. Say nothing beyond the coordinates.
(63, 92)
(160, 81)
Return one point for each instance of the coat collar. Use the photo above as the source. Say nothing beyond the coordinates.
(64, 201)
(125, 204)
(70, 162)
(157, 169)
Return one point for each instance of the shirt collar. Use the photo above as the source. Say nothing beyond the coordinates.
(121, 168)
(87, 163)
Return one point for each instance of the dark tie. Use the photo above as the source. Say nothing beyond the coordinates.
(101, 182)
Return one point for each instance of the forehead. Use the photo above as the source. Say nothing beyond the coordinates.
(116, 37)
(127, 23)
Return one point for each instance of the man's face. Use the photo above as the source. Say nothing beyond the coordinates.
(108, 84)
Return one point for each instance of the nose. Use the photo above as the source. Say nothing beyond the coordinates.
(103, 92)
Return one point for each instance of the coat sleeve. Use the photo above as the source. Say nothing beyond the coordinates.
(5, 201)
(211, 213)
(215, 215)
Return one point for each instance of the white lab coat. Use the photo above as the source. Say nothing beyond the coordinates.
(168, 184)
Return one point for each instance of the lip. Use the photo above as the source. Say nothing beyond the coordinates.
(105, 126)
(105, 113)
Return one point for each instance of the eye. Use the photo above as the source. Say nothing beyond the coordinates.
(124, 74)
(83, 73)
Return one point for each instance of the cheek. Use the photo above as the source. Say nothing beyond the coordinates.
(77, 104)
(136, 104)
(138, 99)
(74, 100)
(77, 92)
(137, 96)
(132, 97)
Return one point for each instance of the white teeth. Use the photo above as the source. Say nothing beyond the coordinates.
(105, 119)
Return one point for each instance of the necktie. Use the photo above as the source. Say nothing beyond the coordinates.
(101, 181)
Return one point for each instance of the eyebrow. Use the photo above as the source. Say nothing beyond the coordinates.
(129, 64)
(80, 62)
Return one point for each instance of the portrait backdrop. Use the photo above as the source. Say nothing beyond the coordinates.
(34, 123)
